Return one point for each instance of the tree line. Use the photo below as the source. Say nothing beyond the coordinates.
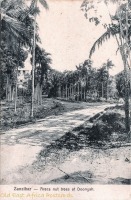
(84, 83)
(19, 37)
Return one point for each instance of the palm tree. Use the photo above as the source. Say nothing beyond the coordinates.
(120, 28)
(108, 65)
(45, 5)
(84, 71)
(10, 12)
(10, 27)
(42, 61)
(17, 26)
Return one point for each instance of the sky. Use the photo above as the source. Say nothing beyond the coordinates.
(69, 36)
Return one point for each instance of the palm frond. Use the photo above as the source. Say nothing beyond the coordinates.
(16, 12)
(18, 31)
(7, 4)
(104, 37)
(15, 33)
(35, 11)
(29, 10)
(32, 9)
(14, 23)
(112, 1)
(32, 5)
(44, 4)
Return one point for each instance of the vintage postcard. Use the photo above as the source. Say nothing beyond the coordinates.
(65, 93)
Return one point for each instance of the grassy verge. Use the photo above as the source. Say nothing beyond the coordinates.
(104, 130)
(94, 151)
(10, 119)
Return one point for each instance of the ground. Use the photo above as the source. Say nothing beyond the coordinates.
(10, 119)
(23, 151)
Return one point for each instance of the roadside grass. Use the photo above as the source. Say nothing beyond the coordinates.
(90, 153)
(10, 119)
(102, 131)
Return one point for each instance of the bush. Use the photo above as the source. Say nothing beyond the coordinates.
(105, 125)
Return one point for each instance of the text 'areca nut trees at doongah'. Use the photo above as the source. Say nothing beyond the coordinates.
(120, 28)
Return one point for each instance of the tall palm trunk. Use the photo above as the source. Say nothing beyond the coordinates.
(0, 57)
(13, 90)
(78, 90)
(127, 117)
(127, 113)
(86, 88)
(81, 92)
(35, 93)
(124, 56)
(10, 92)
(84, 93)
(130, 81)
(59, 94)
(70, 90)
(16, 88)
(107, 91)
(7, 87)
(16, 83)
(33, 65)
(63, 95)
(41, 94)
(102, 90)
(73, 91)
(66, 92)
(38, 93)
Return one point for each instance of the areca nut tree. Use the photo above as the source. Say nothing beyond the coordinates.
(108, 66)
(42, 61)
(15, 26)
(45, 5)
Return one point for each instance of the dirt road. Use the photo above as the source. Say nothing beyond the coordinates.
(20, 147)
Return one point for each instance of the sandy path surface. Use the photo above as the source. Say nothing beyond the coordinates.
(20, 147)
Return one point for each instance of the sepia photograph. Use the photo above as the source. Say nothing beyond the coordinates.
(65, 95)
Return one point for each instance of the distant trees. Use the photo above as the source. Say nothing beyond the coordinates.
(103, 78)
(83, 83)
(120, 84)
(55, 83)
